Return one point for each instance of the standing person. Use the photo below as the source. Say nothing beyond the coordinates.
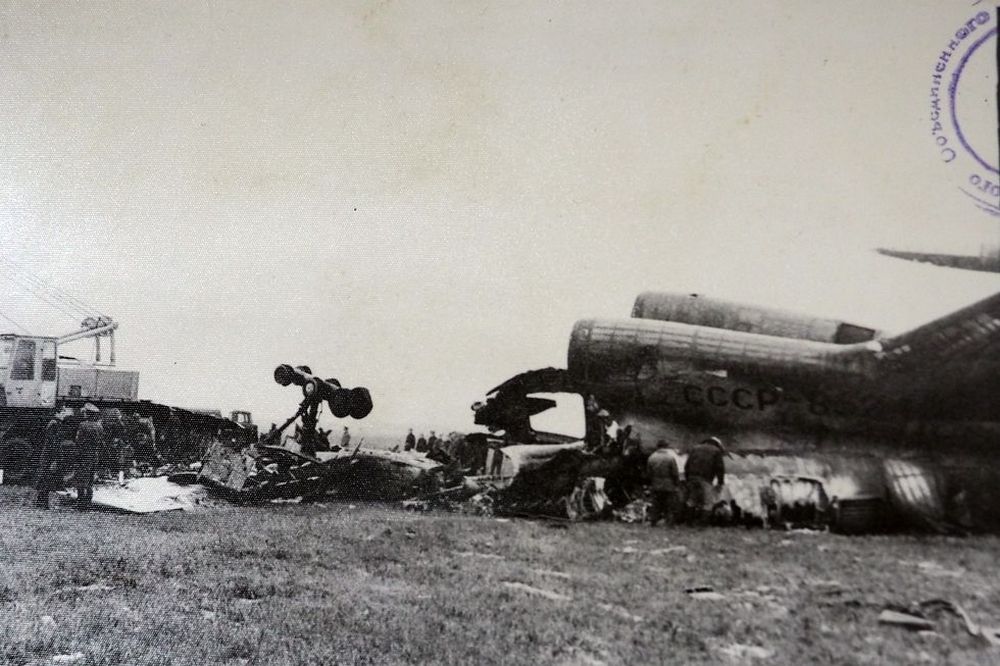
(51, 457)
(611, 430)
(89, 440)
(705, 464)
(411, 441)
(592, 423)
(421, 444)
(307, 435)
(345, 439)
(432, 442)
(616, 447)
(496, 462)
(665, 482)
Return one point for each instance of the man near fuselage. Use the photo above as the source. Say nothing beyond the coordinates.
(705, 465)
(665, 482)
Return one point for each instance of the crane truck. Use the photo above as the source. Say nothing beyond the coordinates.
(36, 382)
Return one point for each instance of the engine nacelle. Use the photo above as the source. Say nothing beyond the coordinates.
(700, 310)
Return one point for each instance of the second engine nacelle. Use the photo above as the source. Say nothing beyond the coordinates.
(700, 310)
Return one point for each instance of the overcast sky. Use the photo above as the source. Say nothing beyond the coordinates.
(423, 197)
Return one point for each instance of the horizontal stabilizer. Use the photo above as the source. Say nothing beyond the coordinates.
(984, 263)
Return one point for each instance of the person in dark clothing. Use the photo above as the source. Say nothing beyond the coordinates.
(616, 446)
(594, 431)
(705, 465)
(50, 460)
(411, 441)
(665, 482)
(323, 439)
(89, 440)
(307, 435)
(421, 444)
(496, 460)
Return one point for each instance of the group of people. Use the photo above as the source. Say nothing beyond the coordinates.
(691, 499)
(434, 447)
(603, 434)
(84, 450)
(466, 453)
(318, 440)
(90, 442)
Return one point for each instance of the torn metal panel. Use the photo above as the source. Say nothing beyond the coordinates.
(144, 495)
(263, 473)
(375, 474)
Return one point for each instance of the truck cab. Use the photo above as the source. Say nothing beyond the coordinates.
(27, 371)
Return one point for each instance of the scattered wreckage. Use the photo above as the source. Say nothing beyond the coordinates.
(827, 423)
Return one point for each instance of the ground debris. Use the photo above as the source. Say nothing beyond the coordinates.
(261, 473)
(620, 612)
(631, 550)
(68, 658)
(932, 568)
(706, 592)
(536, 591)
(143, 495)
(554, 574)
(744, 653)
(907, 620)
(485, 556)
(915, 617)
(95, 587)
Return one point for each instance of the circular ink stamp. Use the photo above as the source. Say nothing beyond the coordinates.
(963, 110)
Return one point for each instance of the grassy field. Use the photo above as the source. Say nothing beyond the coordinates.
(298, 584)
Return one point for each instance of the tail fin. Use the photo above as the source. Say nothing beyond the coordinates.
(963, 337)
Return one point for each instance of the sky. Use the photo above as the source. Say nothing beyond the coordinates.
(422, 198)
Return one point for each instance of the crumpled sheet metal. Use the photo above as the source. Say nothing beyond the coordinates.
(916, 618)
(379, 475)
(145, 495)
(588, 501)
(263, 473)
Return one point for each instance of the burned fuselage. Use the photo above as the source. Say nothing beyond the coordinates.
(900, 425)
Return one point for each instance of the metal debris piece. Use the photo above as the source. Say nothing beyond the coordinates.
(706, 592)
(146, 495)
(744, 653)
(263, 473)
(537, 591)
(932, 568)
(906, 620)
(588, 501)
(555, 574)
(484, 556)
(620, 612)
(990, 635)
(375, 474)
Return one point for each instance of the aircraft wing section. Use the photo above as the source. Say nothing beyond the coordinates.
(986, 262)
